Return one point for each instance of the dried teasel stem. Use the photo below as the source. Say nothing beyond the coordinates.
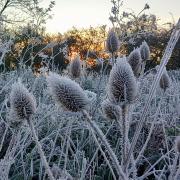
(125, 130)
(102, 152)
(41, 152)
(23, 106)
(112, 155)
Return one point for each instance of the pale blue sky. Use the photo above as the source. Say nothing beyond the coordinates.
(83, 13)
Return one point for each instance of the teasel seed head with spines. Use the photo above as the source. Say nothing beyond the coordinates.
(145, 51)
(135, 61)
(122, 86)
(112, 42)
(67, 92)
(110, 110)
(75, 67)
(165, 81)
(22, 102)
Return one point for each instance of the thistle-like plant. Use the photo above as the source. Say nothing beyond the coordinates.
(110, 110)
(75, 67)
(67, 92)
(22, 103)
(145, 54)
(122, 90)
(72, 96)
(112, 44)
(145, 51)
(165, 81)
(122, 86)
(135, 61)
(23, 106)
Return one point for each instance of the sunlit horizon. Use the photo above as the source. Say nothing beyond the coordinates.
(83, 14)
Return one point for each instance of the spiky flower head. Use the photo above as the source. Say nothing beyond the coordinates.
(67, 92)
(145, 51)
(177, 144)
(110, 110)
(112, 42)
(75, 67)
(135, 61)
(122, 86)
(165, 81)
(22, 102)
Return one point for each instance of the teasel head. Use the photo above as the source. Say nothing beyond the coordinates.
(145, 51)
(22, 102)
(135, 62)
(75, 67)
(177, 144)
(165, 81)
(112, 42)
(122, 86)
(67, 92)
(110, 110)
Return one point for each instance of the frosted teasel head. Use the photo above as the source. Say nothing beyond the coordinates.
(67, 92)
(177, 144)
(75, 67)
(112, 42)
(110, 110)
(135, 61)
(122, 86)
(145, 51)
(22, 102)
(165, 81)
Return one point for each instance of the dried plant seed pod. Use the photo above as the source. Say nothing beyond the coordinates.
(112, 42)
(122, 86)
(135, 62)
(110, 110)
(165, 81)
(75, 67)
(67, 92)
(145, 51)
(22, 102)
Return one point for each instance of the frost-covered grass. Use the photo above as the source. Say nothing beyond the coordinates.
(65, 137)
(58, 128)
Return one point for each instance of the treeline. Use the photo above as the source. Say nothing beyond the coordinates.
(36, 50)
(29, 45)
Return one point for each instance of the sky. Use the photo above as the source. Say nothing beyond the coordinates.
(86, 13)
